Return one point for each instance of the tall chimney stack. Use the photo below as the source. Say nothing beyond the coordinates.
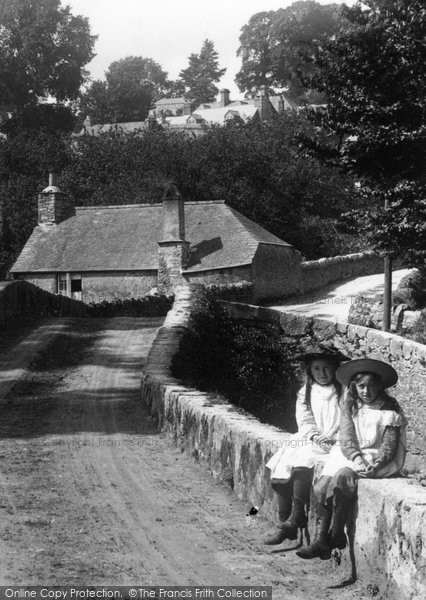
(54, 206)
(224, 97)
(173, 251)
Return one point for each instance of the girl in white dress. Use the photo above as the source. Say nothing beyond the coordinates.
(317, 416)
(372, 444)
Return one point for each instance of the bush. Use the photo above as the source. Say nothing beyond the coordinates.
(237, 361)
(417, 332)
(233, 292)
(148, 306)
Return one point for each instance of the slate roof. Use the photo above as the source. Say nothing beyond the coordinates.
(171, 101)
(121, 238)
(217, 115)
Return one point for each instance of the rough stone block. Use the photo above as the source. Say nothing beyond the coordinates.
(324, 329)
(294, 325)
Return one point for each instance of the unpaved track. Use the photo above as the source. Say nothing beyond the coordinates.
(92, 494)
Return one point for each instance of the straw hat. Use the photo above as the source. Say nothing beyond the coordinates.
(321, 351)
(387, 373)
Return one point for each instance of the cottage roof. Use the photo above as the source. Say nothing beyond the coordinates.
(121, 238)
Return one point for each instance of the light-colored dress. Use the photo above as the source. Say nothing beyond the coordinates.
(322, 417)
(370, 425)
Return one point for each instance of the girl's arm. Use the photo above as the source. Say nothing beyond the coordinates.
(348, 439)
(388, 447)
(307, 427)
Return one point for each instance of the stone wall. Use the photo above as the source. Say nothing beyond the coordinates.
(316, 274)
(276, 272)
(390, 544)
(22, 299)
(100, 285)
(355, 341)
(112, 285)
(228, 275)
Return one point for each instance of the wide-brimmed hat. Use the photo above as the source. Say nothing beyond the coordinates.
(387, 374)
(321, 351)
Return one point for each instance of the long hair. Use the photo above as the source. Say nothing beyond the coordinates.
(309, 380)
(355, 401)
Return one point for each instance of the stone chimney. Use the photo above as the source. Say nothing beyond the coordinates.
(266, 110)
(224, 97)
(173, 251)
(54, 206)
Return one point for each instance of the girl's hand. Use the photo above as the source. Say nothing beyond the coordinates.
(372, 470)
(325, 439)
(360, 466)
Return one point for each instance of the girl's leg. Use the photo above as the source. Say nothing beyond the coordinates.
(284, 493)
(344, 498)
(301, 493)
(301, 482)
(320, 547)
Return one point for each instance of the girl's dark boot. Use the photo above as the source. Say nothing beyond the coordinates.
(342, 504)
(302, 479)
(285, 502)
(320, 547)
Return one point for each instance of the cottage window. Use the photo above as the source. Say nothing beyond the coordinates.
(62, 287)
(76, 284)
(76, 287)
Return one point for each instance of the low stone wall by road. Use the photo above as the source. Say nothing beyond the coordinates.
(390, 544)
(316, 274)
(20, 298)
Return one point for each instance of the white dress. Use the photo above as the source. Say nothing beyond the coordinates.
(322, 417)
(370, 425)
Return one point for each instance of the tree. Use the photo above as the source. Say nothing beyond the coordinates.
(43, 49)
(255, 168)
(277, 47)
(257, 43)
(132, 85)
(202, 73)
(374, 79)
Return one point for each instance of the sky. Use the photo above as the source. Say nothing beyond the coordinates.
(168, 31)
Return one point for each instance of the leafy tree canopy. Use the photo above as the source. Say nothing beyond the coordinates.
(373, 75)
(277, 47)
(202, 73)
(132, 84)
(43, 49)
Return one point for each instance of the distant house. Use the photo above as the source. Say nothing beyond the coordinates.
(264, 107)
(177, 114)
(168, 107)
(107, 252)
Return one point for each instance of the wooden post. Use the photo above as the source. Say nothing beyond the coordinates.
(387, 296)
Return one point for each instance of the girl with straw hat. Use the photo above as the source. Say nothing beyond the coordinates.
(372, 444)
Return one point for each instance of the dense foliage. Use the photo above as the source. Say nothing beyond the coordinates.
(132, 84)
(43, 49)
(256, 169)
(202, 73)
(242, 363)
(149, 306)
(374, 78)
(277, 48)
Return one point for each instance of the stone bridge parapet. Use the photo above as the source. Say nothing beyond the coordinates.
(390, 545)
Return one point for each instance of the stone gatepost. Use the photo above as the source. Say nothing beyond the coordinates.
(173, 249)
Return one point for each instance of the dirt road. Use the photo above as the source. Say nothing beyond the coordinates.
(92, 494)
